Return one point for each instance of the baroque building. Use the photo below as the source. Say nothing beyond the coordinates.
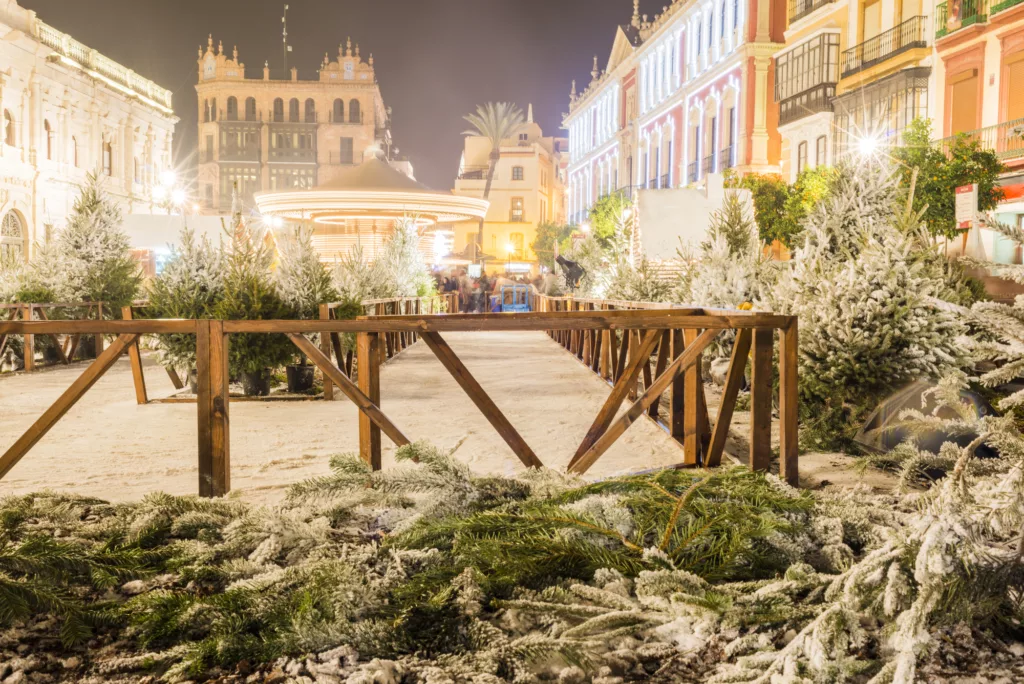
(67, 111)
(265, 134)
(526, 191)
(683, 95)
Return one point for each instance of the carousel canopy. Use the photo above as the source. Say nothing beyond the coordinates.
(372, 191)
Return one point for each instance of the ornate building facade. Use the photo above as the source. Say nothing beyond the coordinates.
(682, 96)
(67, 111)
(264, 134)
(526, 191)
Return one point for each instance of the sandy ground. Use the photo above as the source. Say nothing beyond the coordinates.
(110, 447)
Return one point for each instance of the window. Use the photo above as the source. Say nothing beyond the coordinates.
(516, 214)
(278, 110)
(820, 151)
(711, 32)
(721, 24)
(339, 111)
(12, 236)
(293, 110)
(48, 132)
(524, 137)
(347, 156)
(9, 128)
(354, 113)
(735, 13)
(206, 111)
(801, 157)
(963, 100)
(74, 151)
(287, 178)
(213, 109)
(517, 173)
(310, 111)
(108, 159)
(232, 109)
(250, 109)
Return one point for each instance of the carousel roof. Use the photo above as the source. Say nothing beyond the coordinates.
(374, 190)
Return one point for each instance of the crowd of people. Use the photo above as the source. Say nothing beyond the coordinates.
(479, 294)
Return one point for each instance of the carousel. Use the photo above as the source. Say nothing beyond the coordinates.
(360, 207)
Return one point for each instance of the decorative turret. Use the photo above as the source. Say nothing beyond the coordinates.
(572, 93)
(349, 65)
(595, 72)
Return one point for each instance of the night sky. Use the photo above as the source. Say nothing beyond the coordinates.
(435, 59)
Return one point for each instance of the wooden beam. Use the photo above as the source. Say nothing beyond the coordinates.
(788, 398)
(733, 381)
(350, 389)
(619, 427)
(664, 349)
(138, 377)
(212, 409)
(691, 405)
(761, 402)
(28, 341)
(677, 418)
(479, 397)
(64, 403)
(325, 347)
(175, 380)
(368, 347)
(99, 336)
(619, 392)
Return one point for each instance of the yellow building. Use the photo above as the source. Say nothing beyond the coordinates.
(267, 134)
(527, 191)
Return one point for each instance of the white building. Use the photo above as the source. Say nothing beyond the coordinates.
(68, 110)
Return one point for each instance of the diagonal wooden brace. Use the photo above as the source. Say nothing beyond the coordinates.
(737, 368)
(657, 388)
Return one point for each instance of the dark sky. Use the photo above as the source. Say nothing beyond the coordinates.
(435, 59)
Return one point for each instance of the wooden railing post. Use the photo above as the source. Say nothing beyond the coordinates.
(678, 399)
(99, 336)
(212, 408)
(368, 346)
(325, 347)
(138, 377)
(29, 341)
(691, 406)
(761, 401)
(788, 445)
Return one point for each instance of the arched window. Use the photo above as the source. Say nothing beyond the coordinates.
(339, 111)
(108, 159)
(293, 110)
(12, 236)
(354, 115)
(232, 109)
(801, 157)
(48, 132)
(74, 151)
(206, 111)
(213, 109)
(8, 128)
(278, 110)
(310, 111)
(250, 109)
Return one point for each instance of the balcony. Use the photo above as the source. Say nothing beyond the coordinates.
(1005, 139)
(817, 99)
(798, 9)
(474, 173)
(239, 153)
(691, 172)
(1004, 5)
(886, 45)
(295, 155)
(708, 166)
(971, 12)
(663, 182)
(725, 158)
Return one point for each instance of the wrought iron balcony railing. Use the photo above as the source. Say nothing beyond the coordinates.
(475, 173)
(293, 154)
(971, 12)
(908, 35)
(691, 172)
(817, 99)
(799, 9)
(725, 158)
(240, 153)
(664, 182)
(709, 164)
(1005, 139)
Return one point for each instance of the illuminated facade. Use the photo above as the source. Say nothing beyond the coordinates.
(265, 134)
(526, 191)
(684, 95)
(68, 110)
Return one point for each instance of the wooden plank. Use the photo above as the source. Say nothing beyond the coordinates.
(618, 394)
(647, 366)
(368, 347)
(597, 350)
(339, 353)
(788, 406)
(761, 402)
(204, 413)
(476, 393)
(606, 356)
(664, 350)
(220, 398)
(138, 377)
(685, 361)
(624, 356)
(175, 380)
(350, 389)
(99, 336)
(149, 326)
(691, 405)
(676, 419)
(733, 381)
(325, 347)
(64, 403)
(28, 341)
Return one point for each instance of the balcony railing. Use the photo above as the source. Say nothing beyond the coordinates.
(663, 182)
(799, 9)
(516, 217)
(725, 158)
(817, 99)
(908, 35)
(293, 154)
(244, 153)
(971, 12)
(1005, 139)
(475, 173)
(708, 166)
(1005, 4)
(691, 172)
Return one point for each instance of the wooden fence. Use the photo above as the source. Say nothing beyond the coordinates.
(65, 348)
(696, 327)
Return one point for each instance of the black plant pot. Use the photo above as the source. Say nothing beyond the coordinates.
(300, 378)
(256, 384)
(193, 381)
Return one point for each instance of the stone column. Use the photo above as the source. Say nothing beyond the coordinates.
(35, 122)
(759, 133)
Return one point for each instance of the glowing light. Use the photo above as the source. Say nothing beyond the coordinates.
(627, 213)
(159, 193)
(867, 146)
(440, 248)
(276, 222)
(510, 248)
(168, 178)
(195, 208)
(178, 196)
(585, 227)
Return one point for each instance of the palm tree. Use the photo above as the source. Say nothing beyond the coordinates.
(496, 121)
